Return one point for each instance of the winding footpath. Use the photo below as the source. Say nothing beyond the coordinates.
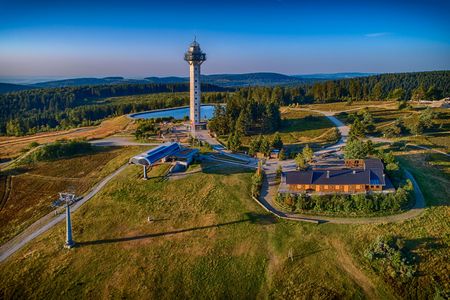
(270, 187)
(266, 200)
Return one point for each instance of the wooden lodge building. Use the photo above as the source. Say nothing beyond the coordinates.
(360, 175)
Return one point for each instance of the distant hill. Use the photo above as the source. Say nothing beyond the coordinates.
(252, 79)
(334, 76)
(238, 80)
(223, 80)
(86, 81)
(170, 79)
(9, 87)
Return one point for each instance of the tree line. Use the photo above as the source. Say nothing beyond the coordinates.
(31, 111)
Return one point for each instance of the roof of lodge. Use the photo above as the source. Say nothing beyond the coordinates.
(373, 163)
(372, 174)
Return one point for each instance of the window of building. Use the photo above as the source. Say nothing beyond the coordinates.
(325, 187)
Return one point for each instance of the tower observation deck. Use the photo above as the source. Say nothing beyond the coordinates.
(195, 57)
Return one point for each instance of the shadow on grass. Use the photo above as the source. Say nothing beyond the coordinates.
(304, 124)
(225, 168)
(252, 218)
(305, 255)
(428, 243)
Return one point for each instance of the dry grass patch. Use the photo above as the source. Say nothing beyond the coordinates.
(12, 146)
(35, 186)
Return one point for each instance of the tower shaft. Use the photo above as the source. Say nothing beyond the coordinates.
(195, 94)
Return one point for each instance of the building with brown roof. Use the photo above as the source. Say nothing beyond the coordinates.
(358, 176)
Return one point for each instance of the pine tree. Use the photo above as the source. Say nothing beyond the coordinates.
(277, 143)
(308, 153)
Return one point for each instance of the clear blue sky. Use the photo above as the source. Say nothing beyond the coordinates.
(148, 38)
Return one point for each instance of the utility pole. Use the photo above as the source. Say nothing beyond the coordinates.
(68, 198)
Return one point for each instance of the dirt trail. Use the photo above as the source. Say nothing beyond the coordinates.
(355, 273)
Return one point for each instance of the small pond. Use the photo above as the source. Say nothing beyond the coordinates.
(178, 113)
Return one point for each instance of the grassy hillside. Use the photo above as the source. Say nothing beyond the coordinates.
(301, 128)
(209, 239)
(33, 187)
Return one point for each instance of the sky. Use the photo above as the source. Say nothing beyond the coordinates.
(136, 39)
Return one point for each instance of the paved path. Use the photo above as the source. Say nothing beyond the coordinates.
(119, 141)
(269, 189)
(48, 221)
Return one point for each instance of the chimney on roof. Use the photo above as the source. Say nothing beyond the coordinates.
(328, 174)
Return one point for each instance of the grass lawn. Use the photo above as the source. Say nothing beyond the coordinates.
(301, 127)
(35, 186)
(11, 146)
(209, 239)
(341, 106)
(433, 171)
(437, 137)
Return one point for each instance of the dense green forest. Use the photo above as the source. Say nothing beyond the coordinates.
(399, 86)
(31, 111)
(37, 110)
(249, 110)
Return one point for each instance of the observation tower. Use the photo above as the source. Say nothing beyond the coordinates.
(195, 57)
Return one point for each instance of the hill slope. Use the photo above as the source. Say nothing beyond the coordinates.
(9, 87)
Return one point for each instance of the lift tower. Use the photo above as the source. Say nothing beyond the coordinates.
(195, 57)
(68, 199)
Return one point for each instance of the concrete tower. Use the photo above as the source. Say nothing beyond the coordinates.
(195, 57)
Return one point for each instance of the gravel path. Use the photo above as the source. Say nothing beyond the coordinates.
(269, 189)
(50, 220)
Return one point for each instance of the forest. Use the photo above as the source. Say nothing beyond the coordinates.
(31, 111)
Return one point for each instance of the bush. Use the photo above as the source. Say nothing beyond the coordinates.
(257, 180)
(282, 155)
(61, 149)
(392, 254)
(33, 144)
(279, 171)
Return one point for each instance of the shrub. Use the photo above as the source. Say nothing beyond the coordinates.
(392, 254)
(33, 144)
(279, 171)
(61, 149)
(282, 155)
(257, 180)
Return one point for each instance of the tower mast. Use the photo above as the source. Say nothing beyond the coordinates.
(195, 57)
